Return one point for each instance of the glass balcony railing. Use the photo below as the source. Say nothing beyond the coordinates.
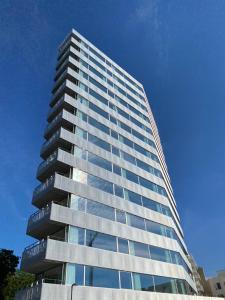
(38, 215)
(46, 162)
(51, 140)
(53, 122)
(34, 249)
(57, 104)
(43, 186)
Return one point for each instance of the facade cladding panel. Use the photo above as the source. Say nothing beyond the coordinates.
(107, 218)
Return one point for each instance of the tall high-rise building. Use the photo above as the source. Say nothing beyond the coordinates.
(107, 223)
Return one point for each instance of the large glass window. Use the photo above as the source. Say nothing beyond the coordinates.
(76, 235)
(155, 227)
(98, 142)
(98, 125)
(123, 246)
(98, 110)
(135, 221)
(100, 184)
(120, 216)
(100, 210)
(132, 197)
(100, 240)
(79, 176)
(100, 277)
(125, 280)
(99, 161)
(74, 274)
(139, 249)
(143, 282)
(165, 285)
(77, 203)
(160, 254)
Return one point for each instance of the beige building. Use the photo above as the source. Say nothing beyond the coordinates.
(217, 284)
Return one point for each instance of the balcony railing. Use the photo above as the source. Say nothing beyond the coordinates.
(57, 104)
(46, 162)
(43, 186)
(38, 215)
(53, 122)
(34, 249)
(49, 141)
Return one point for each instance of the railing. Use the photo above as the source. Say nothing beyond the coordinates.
(57, 82)
(46, 162)
(54, 121)
(34, 249)
(38, 215)
(52, 138)
(41, 187)
(58, 91)
(57, 104)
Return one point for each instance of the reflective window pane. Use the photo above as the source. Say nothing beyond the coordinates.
(139, 249)
(99, 161)
(135, 221)
(132, 197)
(98, 142)
(165, 285)
(120, 216)
(160, 254)
(100, 277)
(125, 280)
(79, 176)
(123, 246)
(143, 282)
(76, 235)
(100, 210)
(77, 203)
(100, 240)
(100, 183)
(118, 191)
(74, 274)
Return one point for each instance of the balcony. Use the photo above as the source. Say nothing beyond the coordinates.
(57, 140)
(43, 222)
(39, 256)
(66, 102)
(59, 121)
(50, 189)
(65, 88)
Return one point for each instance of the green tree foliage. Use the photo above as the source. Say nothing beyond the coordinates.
(15, 282)
(8, 264)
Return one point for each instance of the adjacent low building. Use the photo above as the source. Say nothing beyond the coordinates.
(217, 284)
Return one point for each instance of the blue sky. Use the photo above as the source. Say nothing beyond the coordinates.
(175, 48)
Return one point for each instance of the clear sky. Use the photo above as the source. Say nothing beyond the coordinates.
(176, 48)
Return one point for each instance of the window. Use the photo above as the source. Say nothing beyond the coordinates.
(165, 285)
(97, 84)
(125, 280)
(100, 240)
(100, 210)
(218, 285)
(123, 246)
(80, 153)
(113, 120)
(99, 161)
(120, 216)
(76, 235)
(143, 282)
(98, 142)
(99, 110)
(98, 125)
(115, 151)
(160, 254)
(130, 176)
(155, 227)
(77, 203)
(74, 274)
(133, 197)
(114, 134)
(96, 63)
(181, 287)
(135, 221)
(100, 183)
(98, 97)
(139, 249)
(118, 191)
(128, 157)
(116, 170)
(79, 176)
(148, 203)
(81, 133)
(100, 277)
(94, 71)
